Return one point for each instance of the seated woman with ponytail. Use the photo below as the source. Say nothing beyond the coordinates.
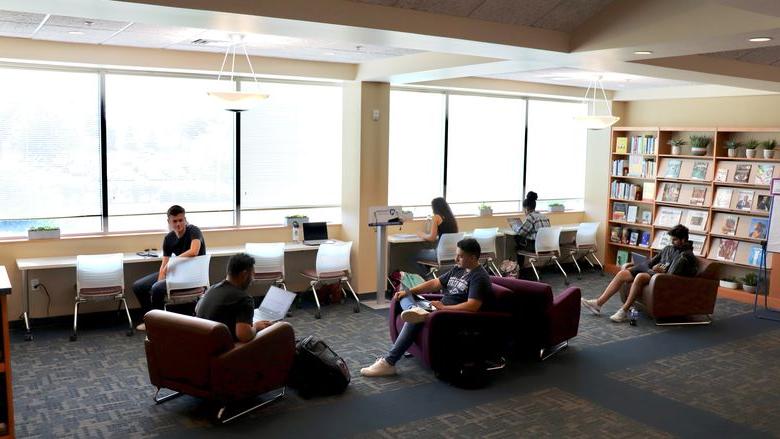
(525, 237)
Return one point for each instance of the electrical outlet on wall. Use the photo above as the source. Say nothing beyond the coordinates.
(34, 284)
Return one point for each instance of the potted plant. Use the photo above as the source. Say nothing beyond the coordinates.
(749, 282)
(297, 219)
(699, 144)
(729, 282)
(677, 145)
(485, 210)
(556, 207)
(750, 148)
(731, 147)
(43, 232)
(769, 148)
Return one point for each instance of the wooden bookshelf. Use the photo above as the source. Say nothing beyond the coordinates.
(6, 393)
(716, 160)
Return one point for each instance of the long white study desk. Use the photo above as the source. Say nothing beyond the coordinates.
(25, 265)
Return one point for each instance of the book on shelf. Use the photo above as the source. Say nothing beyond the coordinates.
(722, 175)
(698, 195)
(625, 236)
(619, 168)
(698, 244)
(727, 251)
(673, 168)
(668, 217)
(635, 166)
(644, 239)
(758, 228)
(723, 197)
(642, 144)
(696, 220)
(631, 216)
(647, 217)
(621, 145)
(756, 254)
(615, 233)
(648, 190)
(619, 211)
(742, 173)
(670, 192)
(625, 191)
(745, 200)
(729, 226)
(699, 171)
(622, 257)
(634, 237)
(764, 203)
(764, 174)
(662, 239)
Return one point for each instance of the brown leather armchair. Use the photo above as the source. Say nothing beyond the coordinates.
(198, 357)
(671, 299)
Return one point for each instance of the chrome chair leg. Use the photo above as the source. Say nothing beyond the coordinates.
(318, 313)
(222, 413)
(546, 353)
(73, 336)
(495, 269)
(166, 397)
(129, 319)
(565, 276)
(533, 267)
(357, 301)
(574, 259)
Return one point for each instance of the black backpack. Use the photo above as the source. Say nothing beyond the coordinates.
(318, 370)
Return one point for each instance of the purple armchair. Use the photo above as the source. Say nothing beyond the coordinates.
(520, 318)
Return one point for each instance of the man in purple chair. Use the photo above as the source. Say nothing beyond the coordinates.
(465, 288)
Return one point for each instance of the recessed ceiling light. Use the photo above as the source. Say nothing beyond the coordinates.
(330, 53)
(760, 39)
(76, 32)
(643, 52)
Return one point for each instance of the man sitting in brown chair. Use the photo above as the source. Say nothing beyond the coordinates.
(677, 258)
(228, 302)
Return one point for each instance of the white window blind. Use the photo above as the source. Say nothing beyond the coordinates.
(556, 149)
(416, 151)
(486, 136)
(49, 151)
(291, 151)
(168, 143)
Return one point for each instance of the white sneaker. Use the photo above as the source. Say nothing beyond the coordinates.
(380, 368)
(592, 306)
(620, 316)
(414, 314)
(141, 327)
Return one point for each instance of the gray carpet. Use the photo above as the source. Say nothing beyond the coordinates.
(615, 380)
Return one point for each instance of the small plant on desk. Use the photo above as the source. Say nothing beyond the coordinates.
(485, 209)
(556, 207)
(43, 232)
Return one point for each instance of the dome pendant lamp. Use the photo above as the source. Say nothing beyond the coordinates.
(236, 101)
(593, 120)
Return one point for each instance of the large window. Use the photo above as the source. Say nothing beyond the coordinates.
(486, 136)
(488, 157)
(557, 144)
(167, 144)
(49, 151)
(416, 156)
(291, 154)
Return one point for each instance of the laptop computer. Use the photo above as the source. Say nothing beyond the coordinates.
(640, 261)
(515, 223)
(275, 305)
(315, 233)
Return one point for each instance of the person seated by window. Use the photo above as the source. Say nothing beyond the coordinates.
(228, 302)
(443, 221)
(466, 288)
(677, 258)
(525, 236)
(183, 240)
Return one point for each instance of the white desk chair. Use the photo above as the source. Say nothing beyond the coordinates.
(100, 277)
(445, 252)
(585, 245)
(332, 266)
(269, 262)
(487, 242)
(187, 279)
(547, 247)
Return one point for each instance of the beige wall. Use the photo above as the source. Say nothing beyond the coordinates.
(739, 111)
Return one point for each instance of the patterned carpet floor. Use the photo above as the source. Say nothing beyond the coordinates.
(615, 380)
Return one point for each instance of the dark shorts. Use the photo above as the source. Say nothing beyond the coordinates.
(636, 270)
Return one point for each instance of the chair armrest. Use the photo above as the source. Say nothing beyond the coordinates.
(257, 366)
(564, 316)
(395, 311)
(669, 295)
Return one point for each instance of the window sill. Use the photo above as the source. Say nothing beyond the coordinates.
(506, 214)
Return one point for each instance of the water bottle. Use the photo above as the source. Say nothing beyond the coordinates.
(632, 315)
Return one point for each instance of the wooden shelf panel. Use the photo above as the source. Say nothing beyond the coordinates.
(631, 177)
(681, 205)
(688, 156)
(649, 156)
(632, 247)
(626, 223)
(736, 238)
(682, 180)
(745, 159)
(741, 185)
(742, 212)
(649, 203)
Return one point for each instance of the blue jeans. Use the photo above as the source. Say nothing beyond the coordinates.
(407, 335)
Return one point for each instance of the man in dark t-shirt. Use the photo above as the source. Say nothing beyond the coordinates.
(228, 302)
(184, 240)
(465, 288)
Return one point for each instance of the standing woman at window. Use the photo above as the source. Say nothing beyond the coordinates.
(443, 221)
(525, 237)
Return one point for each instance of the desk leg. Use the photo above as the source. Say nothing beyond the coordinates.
(26, 300)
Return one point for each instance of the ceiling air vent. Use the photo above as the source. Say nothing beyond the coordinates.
(204, 42)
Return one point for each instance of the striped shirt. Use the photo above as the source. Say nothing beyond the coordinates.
(533, 222)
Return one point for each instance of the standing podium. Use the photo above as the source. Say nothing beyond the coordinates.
(380, 218)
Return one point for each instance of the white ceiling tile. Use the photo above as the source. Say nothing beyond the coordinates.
(17, 30)
(154, 36)
(21, 17)
(59, 33)
(82, 23)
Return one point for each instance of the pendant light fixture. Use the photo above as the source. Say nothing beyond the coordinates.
(236, 101)
(595, 120)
